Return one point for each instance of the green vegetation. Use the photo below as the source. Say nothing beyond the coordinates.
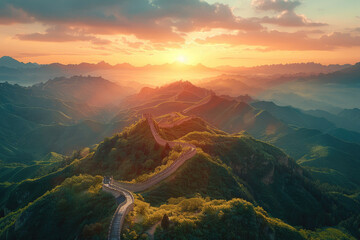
(167, 161)
(35, 121)
(199, 175)
(170, 118)
(328, 158)
(126, 155)
(203, 218)
(327, 233)
(122, 156)
(59, 197)
(18, 195)
(75, 209)
(193, 124)
(18, 172)
(306, 138)
(274, 180)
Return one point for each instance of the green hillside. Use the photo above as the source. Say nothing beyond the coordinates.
(203, 218)
(70, 210)
(20, 172)
(296, 182)
(226, 167)
(288, 131)
(65, 138)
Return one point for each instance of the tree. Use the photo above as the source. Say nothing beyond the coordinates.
(165, 222)
(165, 151)
(177, 148)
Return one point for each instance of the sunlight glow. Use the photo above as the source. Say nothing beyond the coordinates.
(181, 58)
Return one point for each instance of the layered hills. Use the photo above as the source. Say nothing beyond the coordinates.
(234, 179)
(226, 167)
(59, 107)
(301, 134)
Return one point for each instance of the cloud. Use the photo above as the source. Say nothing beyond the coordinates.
(287, 16)
(291, 19)
(338, 39)
(235, 58)
(62, 34)
(156, 20)
(11, 15)
(276, 5)
(284, 41)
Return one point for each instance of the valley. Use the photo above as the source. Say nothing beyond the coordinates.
(178, 146)
(179, 120)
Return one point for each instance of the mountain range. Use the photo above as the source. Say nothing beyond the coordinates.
(28, 74)
(263, 166)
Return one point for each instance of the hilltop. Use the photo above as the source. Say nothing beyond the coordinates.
(227, 166)
(93, 91)
(304, 185)
(10, 62)
(176, 91)
(60, 107)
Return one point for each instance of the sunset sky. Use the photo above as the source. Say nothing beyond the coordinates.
(140, 32)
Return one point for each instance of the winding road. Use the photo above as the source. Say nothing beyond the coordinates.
(126, 189)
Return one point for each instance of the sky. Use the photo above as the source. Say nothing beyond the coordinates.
(213, 33)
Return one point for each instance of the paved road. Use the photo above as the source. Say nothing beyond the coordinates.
(121, 211)
(126, 188)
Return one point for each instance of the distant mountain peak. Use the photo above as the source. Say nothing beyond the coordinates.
(10, 62)
(8, 58)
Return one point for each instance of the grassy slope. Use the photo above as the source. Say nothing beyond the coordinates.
(123, 157)
(208, 173)
(319, 150)
(194, 124)
(203, 218)
(211, 179)
(298, 142)
(20, 172)
(78, 202)
(127, 155)
(276, 182)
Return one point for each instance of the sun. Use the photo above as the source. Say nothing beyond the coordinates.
(181, 58)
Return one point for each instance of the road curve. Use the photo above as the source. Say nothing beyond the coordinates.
(121, 211)
(126, 189)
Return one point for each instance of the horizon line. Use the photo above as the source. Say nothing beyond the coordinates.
(180, 63)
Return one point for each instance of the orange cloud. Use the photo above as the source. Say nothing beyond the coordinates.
(157, 20)
(62, 34)
(275, 40)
